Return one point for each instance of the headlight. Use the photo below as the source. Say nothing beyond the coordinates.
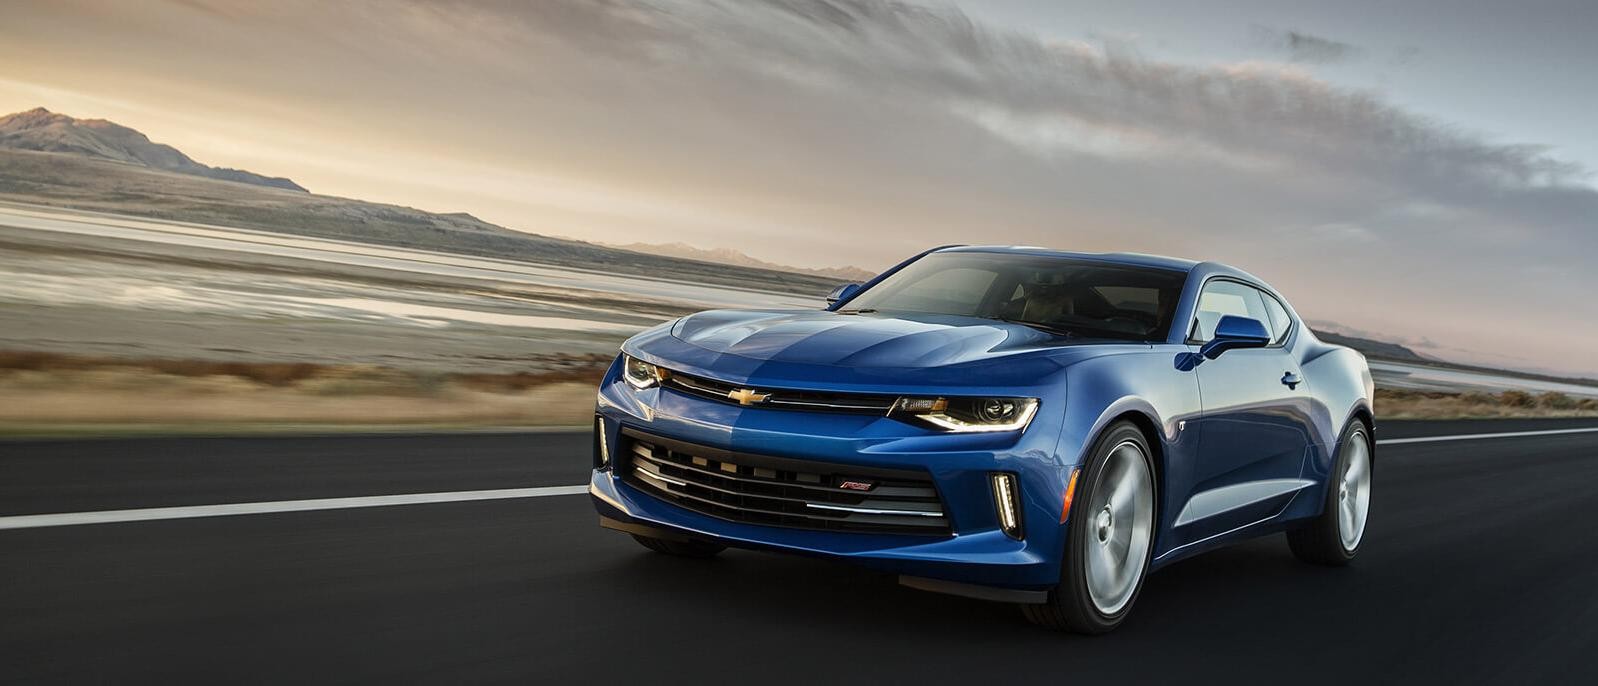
(640, 374)
(967, 415)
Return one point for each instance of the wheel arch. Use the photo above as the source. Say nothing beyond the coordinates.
(1362, 413)
(1151, 434)
(1142, 419)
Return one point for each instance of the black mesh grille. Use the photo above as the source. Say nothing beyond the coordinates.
(782, 492)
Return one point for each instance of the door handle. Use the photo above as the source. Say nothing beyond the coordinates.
(1292, 380)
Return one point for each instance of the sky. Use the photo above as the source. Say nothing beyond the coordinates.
(1421, 172)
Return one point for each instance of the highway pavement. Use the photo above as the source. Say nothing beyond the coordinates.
(1480, 566)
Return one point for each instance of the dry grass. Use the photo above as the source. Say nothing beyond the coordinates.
(1396, 404)
(270, 373)
(40, 389)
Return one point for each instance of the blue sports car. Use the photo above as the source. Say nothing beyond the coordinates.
(1014, 424)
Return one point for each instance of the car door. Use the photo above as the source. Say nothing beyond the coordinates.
(1255, 425)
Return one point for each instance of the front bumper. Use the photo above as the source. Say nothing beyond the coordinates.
(973, 558)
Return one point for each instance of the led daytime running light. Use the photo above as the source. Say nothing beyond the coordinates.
(970, 415)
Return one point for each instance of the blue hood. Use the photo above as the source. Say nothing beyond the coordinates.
(865, 340)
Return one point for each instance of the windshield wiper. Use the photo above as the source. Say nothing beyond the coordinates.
(863, 310)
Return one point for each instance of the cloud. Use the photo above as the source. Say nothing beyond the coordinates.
(1113, 106)
(1304, 47)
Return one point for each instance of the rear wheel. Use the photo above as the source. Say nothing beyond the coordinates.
(1333, 538)
(679, 548)
(1110, 535)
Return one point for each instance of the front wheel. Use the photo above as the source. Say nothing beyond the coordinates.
(1110, 534)
(1333, 538)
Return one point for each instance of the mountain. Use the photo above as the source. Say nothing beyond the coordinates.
(730, 256)
(1381, 350)
(45, 131)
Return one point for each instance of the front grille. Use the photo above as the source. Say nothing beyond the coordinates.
(818, 401)
(760, 489)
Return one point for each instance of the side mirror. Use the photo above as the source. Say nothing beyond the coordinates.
(1236, 332)
(843, 292)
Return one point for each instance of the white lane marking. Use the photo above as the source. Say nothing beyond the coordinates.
(192, 511)
(1472, 437)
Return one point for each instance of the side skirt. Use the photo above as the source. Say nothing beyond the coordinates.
(1266, 524)
(1228, 498)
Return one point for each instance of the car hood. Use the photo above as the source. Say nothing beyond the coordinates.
(811, 337)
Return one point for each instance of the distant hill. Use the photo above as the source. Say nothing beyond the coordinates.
(45, 131)
(1371, 348)
(730, 256)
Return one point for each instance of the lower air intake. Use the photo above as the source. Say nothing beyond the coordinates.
(773, 491)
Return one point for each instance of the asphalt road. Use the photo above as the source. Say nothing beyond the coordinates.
(1481, 565)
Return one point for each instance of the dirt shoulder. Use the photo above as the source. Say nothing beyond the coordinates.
(1397, 404)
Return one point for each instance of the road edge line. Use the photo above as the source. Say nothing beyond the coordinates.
(1473, 437)
(276, 506)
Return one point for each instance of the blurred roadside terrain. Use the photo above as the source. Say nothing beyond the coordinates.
(141, 290)
(109, 319)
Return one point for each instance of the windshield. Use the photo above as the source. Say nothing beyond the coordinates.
(1061, 295)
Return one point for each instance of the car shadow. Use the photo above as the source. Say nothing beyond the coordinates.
(1242, 588)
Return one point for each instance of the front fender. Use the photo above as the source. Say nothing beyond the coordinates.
(1155, 390)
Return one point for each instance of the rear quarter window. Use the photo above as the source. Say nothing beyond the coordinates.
(1281, 323)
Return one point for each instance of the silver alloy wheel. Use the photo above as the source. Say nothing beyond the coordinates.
(1120, 527)
(1354, 492)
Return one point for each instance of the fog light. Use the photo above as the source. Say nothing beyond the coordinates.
(601, 447)
(1007, 500)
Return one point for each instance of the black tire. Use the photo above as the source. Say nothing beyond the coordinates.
(1070, 607)
(1320, 541)
(699, 549)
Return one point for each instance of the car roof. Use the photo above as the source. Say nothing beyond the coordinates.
(1127, 258)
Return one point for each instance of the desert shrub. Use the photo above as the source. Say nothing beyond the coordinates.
(521, 381)
(429, 382)
(28, 361)
(1588, 404)
(1517, 399)
(364, 380)
(1478, 398)
(269, 373)
(1404, 394)
(1556, 401)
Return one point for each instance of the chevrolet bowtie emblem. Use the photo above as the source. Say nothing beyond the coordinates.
(747, 396)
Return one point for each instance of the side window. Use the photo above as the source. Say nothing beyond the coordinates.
(1280, 322)
(1222, 298)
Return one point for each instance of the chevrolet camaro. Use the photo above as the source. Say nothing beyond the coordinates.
(1015, 424)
